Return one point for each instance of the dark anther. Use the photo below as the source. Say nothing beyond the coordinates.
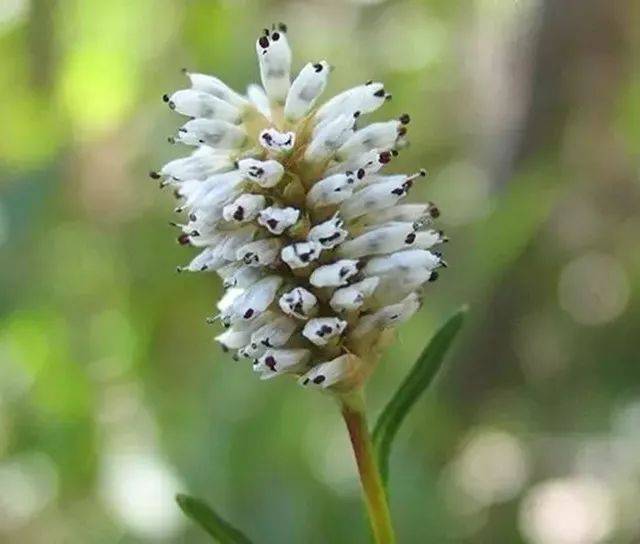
(369, 82)
(324, 330)
(306, 381)
(379, 93)
(384, 157)
(183, 239)
(154, 175)
(172, 106)
(275, 36)
(319, 379)
(402, 131)
(264, 42)
(361, 173)
(238, 215)
(394, 152)
(405, 119)
(317, 67)
(388, 97)
(224, 348)
(434, 276)
(171, 140)
(181, 129)
(282, 27)
(272, 223)
(192, 217)
(411, 237)
(435, 212)
(356, 114)
(165, 97)
(330, 238)
(270, 362)
(248, 313)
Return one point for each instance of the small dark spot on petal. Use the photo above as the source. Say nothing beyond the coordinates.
(319, 379)
(384, 157)
(238, 215)
(270, 361)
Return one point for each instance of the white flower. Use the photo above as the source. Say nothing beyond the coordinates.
(285, 200)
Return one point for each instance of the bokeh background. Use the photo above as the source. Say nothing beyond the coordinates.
(113, 396)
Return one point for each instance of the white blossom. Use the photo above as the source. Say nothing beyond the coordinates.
(305, 90)
(300, 254)
(287, 201)
(335, 274)
(330, 233)
(274, 57)
(277, 220)
(299, 302)
(244, 208)
(278, 361)
(267, 174)
(195, 103)
(353, 296)
(321, 330)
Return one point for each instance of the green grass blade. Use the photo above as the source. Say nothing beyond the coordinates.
(211, 522)
(417, 381)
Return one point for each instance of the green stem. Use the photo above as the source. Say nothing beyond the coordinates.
(374, 494)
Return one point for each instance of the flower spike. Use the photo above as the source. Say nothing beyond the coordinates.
(286, 200)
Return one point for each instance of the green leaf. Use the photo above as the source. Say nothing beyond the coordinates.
(211, 522)
(417, 381)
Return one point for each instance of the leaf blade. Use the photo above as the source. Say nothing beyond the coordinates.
(210, 521)
(416, 382)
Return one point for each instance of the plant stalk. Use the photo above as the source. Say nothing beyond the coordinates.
(373, 490)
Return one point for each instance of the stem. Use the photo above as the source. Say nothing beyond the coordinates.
(372, 488)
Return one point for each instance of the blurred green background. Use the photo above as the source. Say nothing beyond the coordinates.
(113, 396)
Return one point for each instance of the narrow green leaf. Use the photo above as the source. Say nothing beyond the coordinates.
(417, 381)
(211, 522)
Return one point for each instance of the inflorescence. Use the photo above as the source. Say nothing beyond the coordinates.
(319, 255)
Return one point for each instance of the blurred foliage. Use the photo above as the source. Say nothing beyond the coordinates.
(112, 394)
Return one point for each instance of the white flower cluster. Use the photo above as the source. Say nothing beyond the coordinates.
(318, 252)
